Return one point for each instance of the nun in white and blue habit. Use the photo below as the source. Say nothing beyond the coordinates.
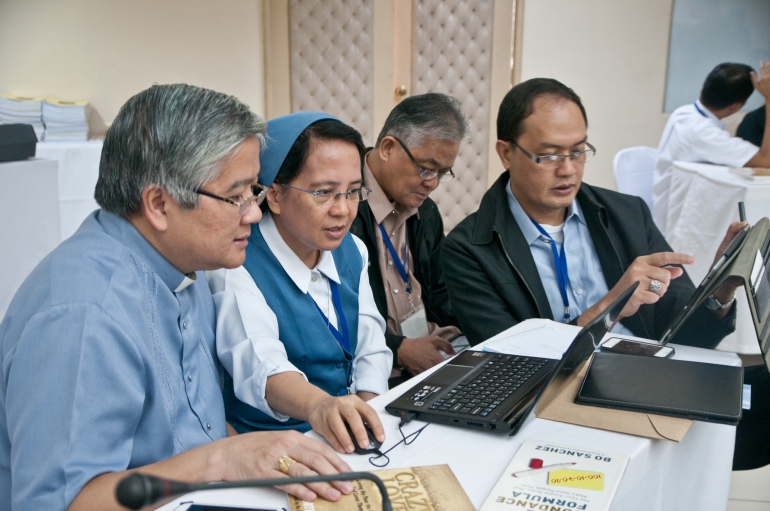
(277, 315)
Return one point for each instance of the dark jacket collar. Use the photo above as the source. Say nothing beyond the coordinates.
(495, 215)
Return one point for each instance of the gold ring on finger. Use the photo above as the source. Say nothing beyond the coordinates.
(284, 462)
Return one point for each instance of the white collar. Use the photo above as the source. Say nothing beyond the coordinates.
(291, 263)
(188, 279)
(708, 114)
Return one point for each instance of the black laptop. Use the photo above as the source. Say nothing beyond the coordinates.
(496, 392)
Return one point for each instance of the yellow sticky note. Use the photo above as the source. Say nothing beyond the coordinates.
(576, 479)
(55, 101)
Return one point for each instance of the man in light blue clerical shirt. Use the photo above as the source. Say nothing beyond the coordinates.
(107, 350)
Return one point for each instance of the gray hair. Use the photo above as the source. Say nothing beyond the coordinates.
(177, 137)
(431, 115)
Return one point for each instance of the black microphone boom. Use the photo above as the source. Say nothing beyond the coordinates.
(138, 490)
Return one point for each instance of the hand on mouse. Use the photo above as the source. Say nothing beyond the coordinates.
(373, 445)
(329, 416)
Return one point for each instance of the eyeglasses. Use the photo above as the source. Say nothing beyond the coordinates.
(258, 196)
(553, 161)
(443, 175)
(326, 196)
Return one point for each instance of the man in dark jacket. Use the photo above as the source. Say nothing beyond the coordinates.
(403, 230)
(545, 245)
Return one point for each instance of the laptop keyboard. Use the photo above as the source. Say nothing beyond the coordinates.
(502, 376)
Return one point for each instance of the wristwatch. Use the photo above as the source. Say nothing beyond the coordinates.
(714, 305)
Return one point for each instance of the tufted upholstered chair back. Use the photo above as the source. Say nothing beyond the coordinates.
(332, 60)
(332, 67)
(452, 47)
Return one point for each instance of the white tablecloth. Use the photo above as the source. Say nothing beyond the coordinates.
(78, 172)
(703, 202)
(661, 475)
(29, 208)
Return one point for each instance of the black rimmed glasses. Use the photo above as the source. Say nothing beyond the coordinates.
(553, 161)
(258, 195)
(326, 196)
(428, 175)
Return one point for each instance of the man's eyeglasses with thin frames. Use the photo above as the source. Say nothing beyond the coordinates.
(443, 175)
(258, 196)
(552, 161)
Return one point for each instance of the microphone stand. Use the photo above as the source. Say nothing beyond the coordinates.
(138, 490)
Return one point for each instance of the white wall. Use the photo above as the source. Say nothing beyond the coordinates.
(613, 54)
(104, 51)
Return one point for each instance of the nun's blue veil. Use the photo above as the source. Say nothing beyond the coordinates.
(282, 132)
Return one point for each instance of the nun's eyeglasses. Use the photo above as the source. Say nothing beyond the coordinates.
(258, 195)
(326, 196)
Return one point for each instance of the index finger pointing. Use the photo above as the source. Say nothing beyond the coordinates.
(664, 258)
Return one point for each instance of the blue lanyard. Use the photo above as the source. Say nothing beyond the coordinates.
(343, 338)
(699, 110)
(560, 260)
(399, 265)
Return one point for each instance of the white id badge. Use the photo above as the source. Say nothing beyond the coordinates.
(415, 324)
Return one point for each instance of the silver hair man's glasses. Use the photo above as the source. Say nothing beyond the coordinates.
(326, 196)
(552, 161)
(258, 195)
(428, 175)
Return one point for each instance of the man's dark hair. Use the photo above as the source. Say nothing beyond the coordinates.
(727, 84)
(518, 104)
(325, 129)
(431, 115)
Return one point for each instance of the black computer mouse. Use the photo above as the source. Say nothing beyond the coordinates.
(374, 444)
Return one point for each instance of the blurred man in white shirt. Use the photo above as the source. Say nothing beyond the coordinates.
(695, 132)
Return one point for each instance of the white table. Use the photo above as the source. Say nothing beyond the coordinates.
(703, 202)
(78, 172)
(29, 207)
(661, 475)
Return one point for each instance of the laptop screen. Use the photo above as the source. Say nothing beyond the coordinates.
(591, 335)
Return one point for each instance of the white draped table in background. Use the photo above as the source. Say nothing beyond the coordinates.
(78, 172)
(703, 202)
(29, 229)
(661, 475)
(43, 201)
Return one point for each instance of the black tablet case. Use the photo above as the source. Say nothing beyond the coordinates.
(677, 388)
(740, 265)
(756, 241)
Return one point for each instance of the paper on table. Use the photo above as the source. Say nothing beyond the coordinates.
(753, 174)
(543, 341)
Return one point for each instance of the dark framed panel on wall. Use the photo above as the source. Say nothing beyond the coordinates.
(705, 33)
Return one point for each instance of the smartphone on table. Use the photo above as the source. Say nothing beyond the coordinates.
(619, 345)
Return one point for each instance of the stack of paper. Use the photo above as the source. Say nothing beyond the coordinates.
(65, 120)
(540, 338)
(16, 109)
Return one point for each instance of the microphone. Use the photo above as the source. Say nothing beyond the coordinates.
(138, 490)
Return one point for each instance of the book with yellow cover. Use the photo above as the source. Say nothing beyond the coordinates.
(558, 477)
(431, 488)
